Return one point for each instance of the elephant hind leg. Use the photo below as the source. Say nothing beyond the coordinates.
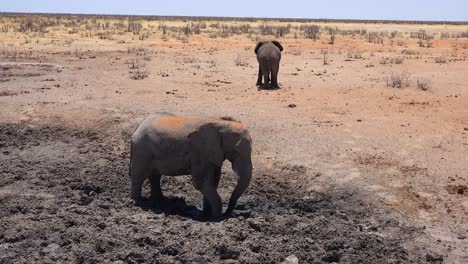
(260, 75)
(155, 182)
(274, 75)
(266, 74)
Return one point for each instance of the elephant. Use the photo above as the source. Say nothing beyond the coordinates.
(268, 56)
(170, 145)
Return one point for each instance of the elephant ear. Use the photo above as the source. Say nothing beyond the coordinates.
(258, 46)
(277, 44)
(206, 145)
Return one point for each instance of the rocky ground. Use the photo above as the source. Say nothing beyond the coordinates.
(64, 198)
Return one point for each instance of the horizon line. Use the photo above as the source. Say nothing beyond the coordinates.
(285, 19)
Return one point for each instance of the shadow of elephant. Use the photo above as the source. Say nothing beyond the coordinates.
(178, 206)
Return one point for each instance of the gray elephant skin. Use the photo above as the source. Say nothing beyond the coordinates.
(165, 144)
(268, 56)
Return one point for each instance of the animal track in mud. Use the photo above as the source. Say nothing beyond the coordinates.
(64, 198)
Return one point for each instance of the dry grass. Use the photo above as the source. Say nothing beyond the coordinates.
(139, 74)
(399, 80)
(7, 93)
(440, 59)
(392, 60)
(423, 84)
(355, 54)
(142, 29)
(239, 61)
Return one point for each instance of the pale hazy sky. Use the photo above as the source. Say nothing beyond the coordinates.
(345, 9)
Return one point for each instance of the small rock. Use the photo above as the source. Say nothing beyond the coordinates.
(291, 260)
(101, 162)
(51, 248)
(466, 128)
(226, 253)
(255, 224)
(292, 105)
(433, 257)
(231, 261)
(331, 257)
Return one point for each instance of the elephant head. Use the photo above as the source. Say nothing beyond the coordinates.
(216, 141)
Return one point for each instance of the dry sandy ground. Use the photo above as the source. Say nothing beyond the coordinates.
(347, 169)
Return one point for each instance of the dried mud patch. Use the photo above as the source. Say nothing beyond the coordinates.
(23, 69)
(63, 198)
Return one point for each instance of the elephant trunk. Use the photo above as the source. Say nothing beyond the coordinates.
(243, 169)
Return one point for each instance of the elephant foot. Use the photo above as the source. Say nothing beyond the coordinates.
(157, 201)
(137, 200)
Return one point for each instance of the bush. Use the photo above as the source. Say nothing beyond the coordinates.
(139, 74)
(423, 84)
(398, 80)
(239, 61)
(395, 60)
(310, 31)
(440, 59)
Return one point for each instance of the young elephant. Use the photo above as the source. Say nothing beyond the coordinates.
(165, 144)
(268, 56)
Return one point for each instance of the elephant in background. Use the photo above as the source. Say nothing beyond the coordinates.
(165, 144)
(268, 56)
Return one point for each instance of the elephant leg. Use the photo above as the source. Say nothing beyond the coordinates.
(139, 172)
(274, 75)
(266, 74)
(138, 177)
(206, 204)
(155, 182)
(260, 75)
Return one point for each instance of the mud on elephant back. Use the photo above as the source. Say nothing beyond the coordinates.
(268, 56)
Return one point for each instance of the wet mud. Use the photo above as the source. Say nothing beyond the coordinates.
(64, 198)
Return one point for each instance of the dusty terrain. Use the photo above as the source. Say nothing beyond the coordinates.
(347, 168)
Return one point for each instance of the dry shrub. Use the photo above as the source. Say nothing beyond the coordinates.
(105, 35)
(310, 31)
(354, 54)
(239, 61)
(9, 52)
(140, 51)
(139, 74)
(376, 37)
(398, 60)
(325, 56)
(189, 60)
(440, 59)
(332, 39)
(401, 42)
(133, 64)
(393, 60)
(409, 52)
(7, 93)
(399, 80)
(423, 84)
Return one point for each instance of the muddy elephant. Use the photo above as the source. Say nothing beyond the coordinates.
(268, 56)
(165, 144)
